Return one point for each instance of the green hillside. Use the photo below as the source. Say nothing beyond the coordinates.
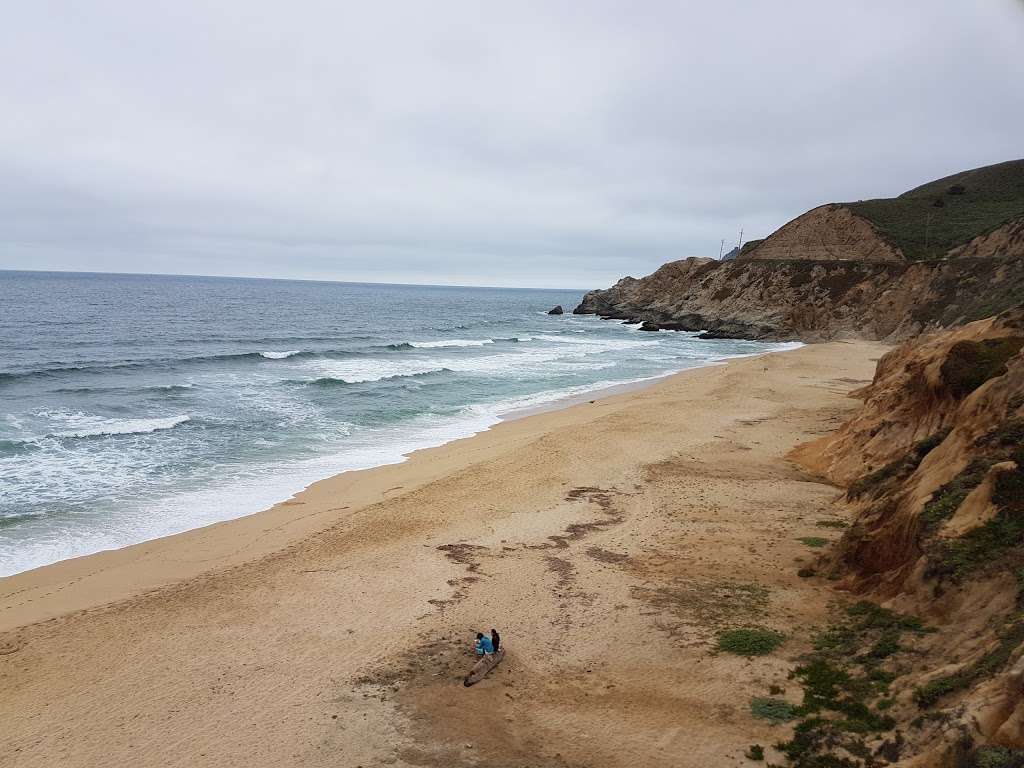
(927, 221)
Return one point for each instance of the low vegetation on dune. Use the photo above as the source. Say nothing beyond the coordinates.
(843, 720)
(772, 709)
(970, 364)
(997, 544)
(750, 641)
(875, 484)
(927, 221)
(815, 542)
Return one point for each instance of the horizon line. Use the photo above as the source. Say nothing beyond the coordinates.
(281, 279)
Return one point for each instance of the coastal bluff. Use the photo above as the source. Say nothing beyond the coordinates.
(942, 254)
(933, 467)
(813, 300)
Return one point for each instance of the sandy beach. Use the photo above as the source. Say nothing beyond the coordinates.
(608, 541)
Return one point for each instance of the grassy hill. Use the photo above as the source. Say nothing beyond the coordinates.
(927, 221)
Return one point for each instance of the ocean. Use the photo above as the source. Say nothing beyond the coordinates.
(134, 406)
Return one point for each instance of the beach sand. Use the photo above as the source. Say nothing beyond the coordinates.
(609, 542)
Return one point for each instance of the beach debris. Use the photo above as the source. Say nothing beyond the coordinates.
(479, 671)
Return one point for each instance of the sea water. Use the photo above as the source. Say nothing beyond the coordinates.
(133, 407)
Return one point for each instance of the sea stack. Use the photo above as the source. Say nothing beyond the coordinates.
(557, 310)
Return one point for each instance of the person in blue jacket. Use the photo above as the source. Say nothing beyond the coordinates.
(483, 644)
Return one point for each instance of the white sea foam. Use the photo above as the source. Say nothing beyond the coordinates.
(257, 487)
(525, 362)
(609, 344)
(279, 355)
(373, 369)
(91, 426)
(451, 343)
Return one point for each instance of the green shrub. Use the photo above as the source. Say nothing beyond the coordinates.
(997, 757)
(813, 541)
(947, 499)
(813, 742)
(926, 446)
(885, 646)
(1008, 493)
(870, 615)
(842, 640)
(982, 669)
(969, 364)
(1010, 434)
(982, 545)
(822, 682)
(750, 641)
(774, 710)
(926, 695)
(876, 482)
(754, 752)
(840, 680)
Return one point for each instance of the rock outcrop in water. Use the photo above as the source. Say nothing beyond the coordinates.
(933, 464)
(557, 310)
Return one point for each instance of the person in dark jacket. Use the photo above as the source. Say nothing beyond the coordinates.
(495, 639)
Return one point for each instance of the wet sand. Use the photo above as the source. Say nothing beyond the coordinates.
(608, 541)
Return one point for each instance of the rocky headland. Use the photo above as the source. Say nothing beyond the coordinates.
(943, 254)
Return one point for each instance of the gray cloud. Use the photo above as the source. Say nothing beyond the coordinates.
(537, 143)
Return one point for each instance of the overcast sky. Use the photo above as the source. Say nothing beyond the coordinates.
(545, 144)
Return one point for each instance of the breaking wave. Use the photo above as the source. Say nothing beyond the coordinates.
(94, 427)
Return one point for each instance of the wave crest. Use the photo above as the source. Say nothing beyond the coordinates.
(338, 381)
(109, 427)
(450, 343)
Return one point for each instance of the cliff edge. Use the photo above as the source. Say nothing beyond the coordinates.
(933, 467)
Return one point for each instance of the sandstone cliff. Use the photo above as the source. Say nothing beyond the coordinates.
(933, 464)
(813, 300)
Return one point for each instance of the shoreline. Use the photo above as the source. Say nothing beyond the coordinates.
(609, 542)
(77, 565)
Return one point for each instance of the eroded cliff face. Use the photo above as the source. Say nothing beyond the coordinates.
(1007, 240)
(933, 466)
(827, 233)
(813, 300)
